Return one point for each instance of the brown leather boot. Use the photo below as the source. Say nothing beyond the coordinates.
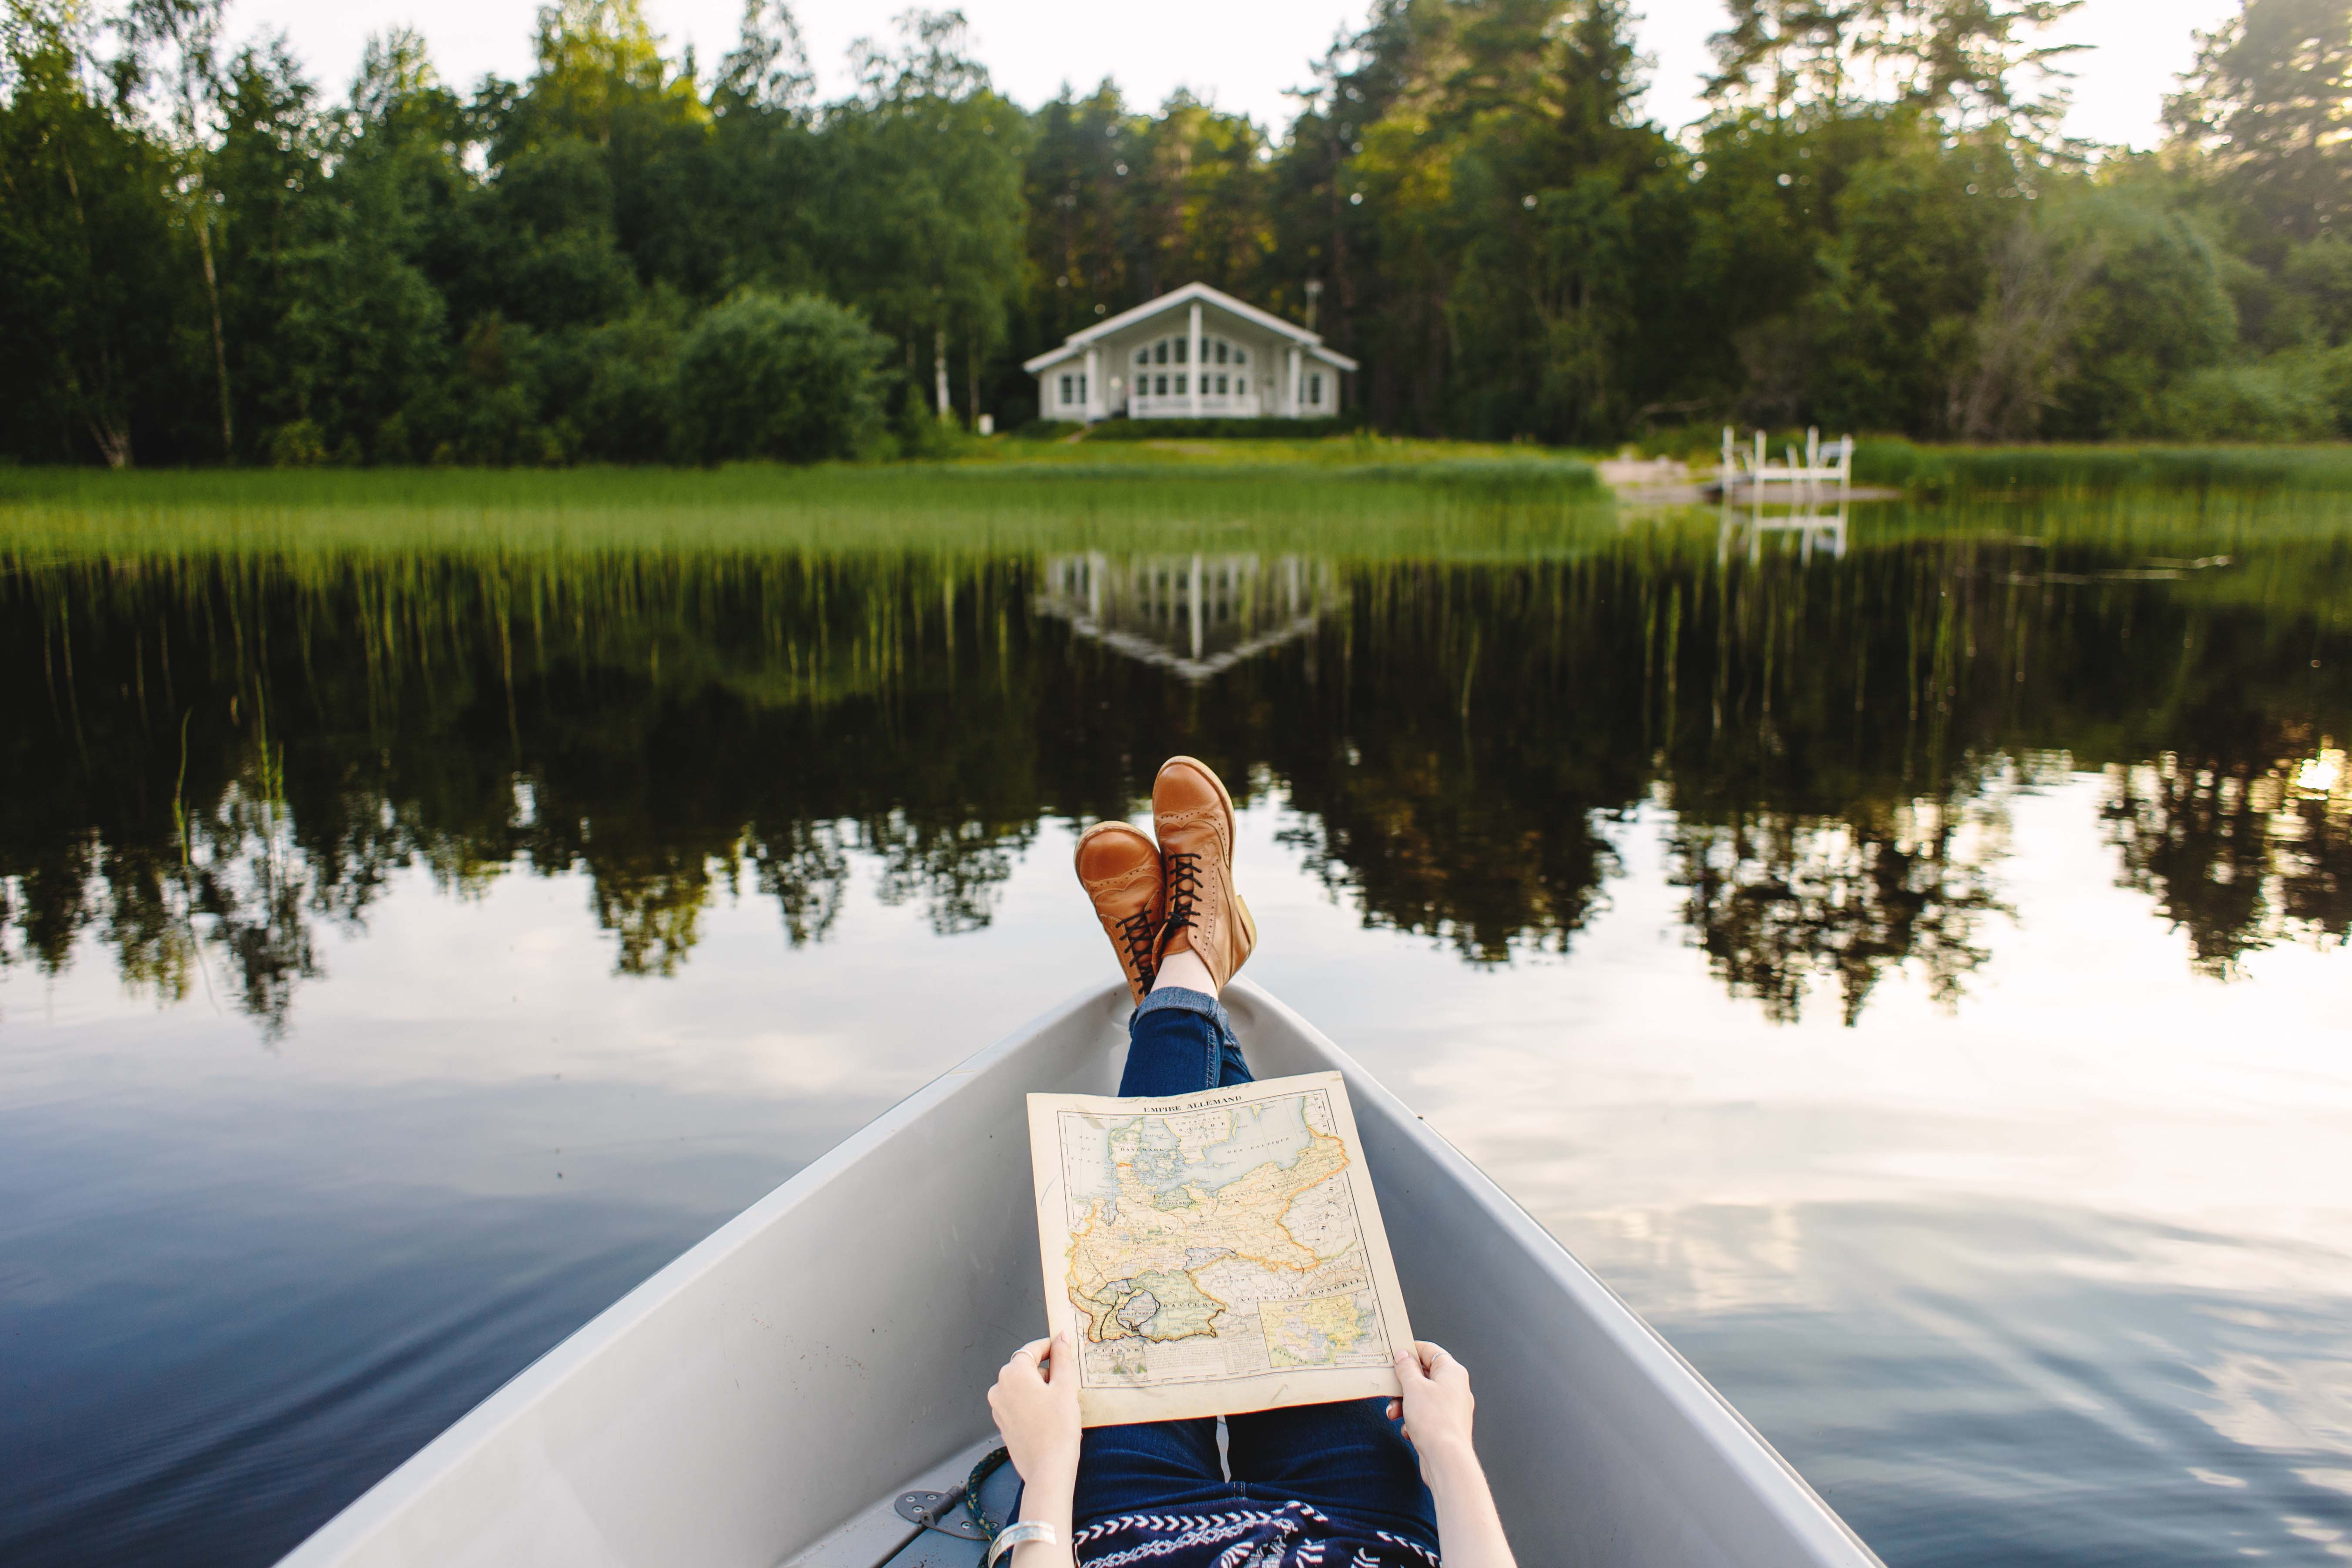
(1119, 868)
(1193, 817)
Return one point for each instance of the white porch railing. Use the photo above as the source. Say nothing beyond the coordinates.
(1233, 406)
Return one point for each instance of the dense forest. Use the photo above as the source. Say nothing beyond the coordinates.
(639, 256)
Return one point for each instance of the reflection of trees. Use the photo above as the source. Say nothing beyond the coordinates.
(1455, 761)
(664, 728)
(1775, 902)
(953, 869)
(803, 866)
(2240, 856)
(201, 761)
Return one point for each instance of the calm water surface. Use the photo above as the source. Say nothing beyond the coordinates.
(1907, 959)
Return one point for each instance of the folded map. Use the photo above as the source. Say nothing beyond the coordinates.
(1216, 1252)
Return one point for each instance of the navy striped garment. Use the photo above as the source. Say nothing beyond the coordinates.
(1292, 1535)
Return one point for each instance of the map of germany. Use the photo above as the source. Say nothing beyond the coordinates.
(1206, 1243)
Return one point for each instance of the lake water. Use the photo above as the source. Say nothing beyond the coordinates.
(1905, 956)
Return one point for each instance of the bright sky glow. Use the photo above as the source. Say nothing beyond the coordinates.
(1033, 47)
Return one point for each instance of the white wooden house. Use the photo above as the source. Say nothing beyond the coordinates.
(1195, 354)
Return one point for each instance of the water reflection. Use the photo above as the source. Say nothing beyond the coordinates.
(1747, 528)
(1197, 615)
(2239, 860)
(211, 757)
(1780, 902)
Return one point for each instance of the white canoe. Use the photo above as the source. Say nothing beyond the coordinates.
(764, 1399)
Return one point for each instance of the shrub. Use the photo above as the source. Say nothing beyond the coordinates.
(2282, 398)
(625, 373)
(916, 428)
(392, 440)
(299, 444)
(798, 379)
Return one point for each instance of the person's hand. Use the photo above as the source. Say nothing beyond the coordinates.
(1436, 1403)
(1035, 1403)
(1436, 1409)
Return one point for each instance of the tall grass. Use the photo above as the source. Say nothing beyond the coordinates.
(1468, 504)
(1936, 471)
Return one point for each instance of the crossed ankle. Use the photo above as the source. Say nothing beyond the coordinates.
(1181, 967)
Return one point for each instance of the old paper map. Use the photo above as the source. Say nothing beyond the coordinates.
(1215, 1253)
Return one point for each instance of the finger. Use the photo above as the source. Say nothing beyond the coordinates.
(1396, 1409)
(1409, 1368)
(1059, 1355)
(1434, 1355)
(1033, 1352)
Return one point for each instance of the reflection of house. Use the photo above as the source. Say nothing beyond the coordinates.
(1192, 354)
(1196, 615)
(1828, 530)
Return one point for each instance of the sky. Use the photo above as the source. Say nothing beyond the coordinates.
(1241, 54)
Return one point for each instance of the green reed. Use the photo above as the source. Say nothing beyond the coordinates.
(1980, 470)
(1472, 504)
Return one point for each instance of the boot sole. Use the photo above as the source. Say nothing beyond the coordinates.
(1225, 796)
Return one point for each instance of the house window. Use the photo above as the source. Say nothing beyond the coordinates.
(1160, 387)
(1178, 351)
(1221, 386)
(1315, 388)
(1180, 386)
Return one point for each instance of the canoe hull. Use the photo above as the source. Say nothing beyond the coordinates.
(751, 1402)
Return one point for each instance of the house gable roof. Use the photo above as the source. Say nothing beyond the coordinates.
(1077, 341)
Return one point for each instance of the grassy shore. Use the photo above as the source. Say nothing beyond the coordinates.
(1344, 496)
(1348, 496)
(1933, 471)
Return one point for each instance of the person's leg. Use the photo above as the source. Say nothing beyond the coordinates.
(1347, 1459)
(1179, 1041)
(1147, 1467)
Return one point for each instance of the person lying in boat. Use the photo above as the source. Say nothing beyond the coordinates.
(1363, 1483)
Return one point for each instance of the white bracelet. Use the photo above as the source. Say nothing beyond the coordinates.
(1020, 1534)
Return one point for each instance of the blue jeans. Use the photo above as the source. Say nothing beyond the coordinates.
(1348, 1460)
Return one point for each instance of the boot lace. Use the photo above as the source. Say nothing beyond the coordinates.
(1135, 933)
(1184, 874)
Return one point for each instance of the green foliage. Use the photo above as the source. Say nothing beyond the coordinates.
(2267, 108)
(798, 380)
(1872, 228)
(2289, 397)
(2147, 263)
(299, 444)
(96, 271)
